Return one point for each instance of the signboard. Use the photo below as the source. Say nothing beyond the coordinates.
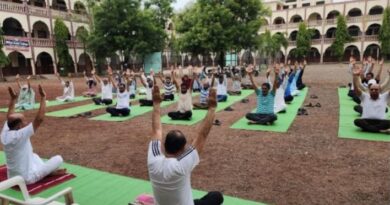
(19, 44)
(153, 61)
(231, 59)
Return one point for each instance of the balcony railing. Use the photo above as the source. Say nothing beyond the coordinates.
(45, 42)
(371, 38)
(43, 12)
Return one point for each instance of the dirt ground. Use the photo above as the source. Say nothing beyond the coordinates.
(307, 165)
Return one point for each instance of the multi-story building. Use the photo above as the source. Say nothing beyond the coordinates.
(28, 30)
(364, 19)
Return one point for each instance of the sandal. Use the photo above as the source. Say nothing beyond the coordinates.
(313, 96)
(309, 105)
(318, 105)
(217, 122)
(229, 109)
(245, 100)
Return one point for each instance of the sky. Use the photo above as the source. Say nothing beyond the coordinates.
(181, 4)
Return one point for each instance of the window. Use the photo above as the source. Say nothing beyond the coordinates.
(285, 7)
(306, 5)
(320, 2)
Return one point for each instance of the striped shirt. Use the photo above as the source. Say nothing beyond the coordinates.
(169, 89)
(204, 95)
(265, 104)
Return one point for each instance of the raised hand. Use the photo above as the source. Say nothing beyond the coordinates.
(93, 72)
(304, 62)
(289, 62)
(212, 98)
(28, 77)
(42, 92)
(357, 70)
(156, 94)
(276, 69)
(381, 62)
(12, 93)
(17, 76)
(249, 69)
(109, 70)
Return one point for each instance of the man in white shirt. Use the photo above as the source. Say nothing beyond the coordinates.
(15, 137)
(221, 87)
(68, 94)
(26, 99)
(122, 107)
(106, 84)
(184, 108)
(374, 106)
(148, 83)
(170, 172)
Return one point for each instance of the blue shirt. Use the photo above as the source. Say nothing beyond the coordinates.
(265, 104)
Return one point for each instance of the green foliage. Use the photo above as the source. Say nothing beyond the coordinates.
(162, 10)
(220, 26)
(342, 37)
(61, 35)
(384, 33)
(82, 35)
(3, 58)
(121, 25)
(270, 45)
(303, 41)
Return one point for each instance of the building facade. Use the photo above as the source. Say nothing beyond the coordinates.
(364, 19)
(28, 31)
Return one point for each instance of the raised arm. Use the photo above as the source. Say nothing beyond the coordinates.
(143, 79)
(11, 106)
(213, 80)
(96, 77)
(275, 84)
(378, 75)
(249, 70)
(28, 82)
(42, 109)
(58, 76)
(156, 116)
(174, 80)
(207, 123)
(17, 77)
(356, 73)
(85, 75)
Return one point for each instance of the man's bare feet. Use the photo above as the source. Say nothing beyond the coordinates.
(58, 172)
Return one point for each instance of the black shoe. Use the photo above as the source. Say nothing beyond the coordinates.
(318, 105)
(217, 122)
(309, 105)
(313, 96)
(229, 109)
(245, 100)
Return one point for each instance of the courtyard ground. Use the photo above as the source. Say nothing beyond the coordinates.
(307, 165)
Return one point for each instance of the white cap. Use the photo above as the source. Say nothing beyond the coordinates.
(371, 82)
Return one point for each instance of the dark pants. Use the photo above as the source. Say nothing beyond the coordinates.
(180, 116)
(355, 98)
(370, 125)
(118, 112)
(170, 97)
(145, 102)
(221, 98)
(301, 86)
(234, 92)
(358, 108)
(196, 90)
(246, 86)
(211, 198)
(132, 96)
(288, 99)
(262, 119)
(99, 101)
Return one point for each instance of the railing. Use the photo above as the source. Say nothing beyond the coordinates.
(315, 23)
(45, 42)
(371, 38)
(42, 42)
(354, 19)
(316, 41)
(374, 17)
(293, 25)
(39, 11)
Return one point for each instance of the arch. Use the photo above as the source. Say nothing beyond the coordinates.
(279, 20)
(44, 64)
(314, 56)
(12, 27)
(81, 32)
(314, 17)
(316, 34)
(373, 50)
(84, 63)
(333, 14)
(351, 50)
(296, 19)
(18, 65)
(355, 12)
(328, 55)
(293, 36)
(373, 29)
(59, 5)
(376, 10)
(79, 8)
(354, 31)
(37, 3)
(40, 30)
(331, 33)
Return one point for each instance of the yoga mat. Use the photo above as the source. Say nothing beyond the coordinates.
(198, 115)
(51, 103)
(284, 119)
(347, 128)
(93, 187)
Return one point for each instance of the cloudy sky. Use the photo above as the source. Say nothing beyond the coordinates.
(180, 4)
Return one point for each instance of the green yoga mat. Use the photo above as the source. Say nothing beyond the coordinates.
(198, 115)
(52, 103)
(284, 119)
(93, 187)
(347, 129)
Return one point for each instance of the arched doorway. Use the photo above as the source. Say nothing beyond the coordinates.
(372, 50)
(84, 63)
(333, 14)
(40, 30)
(376, 10)
(59, 5)
(293, 36)
(12, 27)
(79, 8)
(328, 56)
(18, 65)
(44, 64)
(279, 20)
(296, 19)
(314, 56)
(373, 30)
(354, 31)
(331, 33)
(351, 51)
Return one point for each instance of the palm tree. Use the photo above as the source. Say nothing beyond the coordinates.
(270, 45)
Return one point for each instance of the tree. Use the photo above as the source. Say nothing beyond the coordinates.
(270, 45)
(3, 58)
(82, 35)
(219, 26)
(61, 34)
(162, 10)
(342, 37)
(303, 41)
(384, 33)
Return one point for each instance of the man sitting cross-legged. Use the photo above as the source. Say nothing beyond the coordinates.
(169, 87)
(221, 85)
(204, 94)
(26, 99)
(374, 106)
(265, 100)
(15, 137)
(123, 99)
(148, 83)
(107, 86)
(236, 84)
(184, 106)
(68, 94)
(170, 172)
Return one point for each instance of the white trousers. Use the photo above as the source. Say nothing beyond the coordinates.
(65, 98)
(42, 169)
(279, 104)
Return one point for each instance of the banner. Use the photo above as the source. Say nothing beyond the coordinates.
(153, 61)
(231, 59)
(19, 44)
